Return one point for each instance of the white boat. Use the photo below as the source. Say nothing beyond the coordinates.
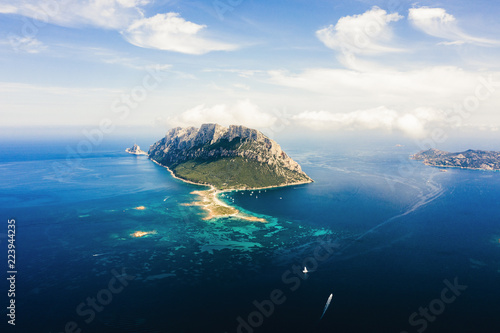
(305, 271)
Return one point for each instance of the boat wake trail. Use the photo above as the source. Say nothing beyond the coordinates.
(423, 200)
(434, 192)
(327, 305)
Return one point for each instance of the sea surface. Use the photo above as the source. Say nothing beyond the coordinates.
(387, 236)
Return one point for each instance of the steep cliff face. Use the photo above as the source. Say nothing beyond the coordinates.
(234, 157)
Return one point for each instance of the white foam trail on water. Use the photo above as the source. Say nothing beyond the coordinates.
(435, 191)
(423, 200)
(327, 305)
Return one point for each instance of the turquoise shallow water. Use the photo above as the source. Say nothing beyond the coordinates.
(379, 231)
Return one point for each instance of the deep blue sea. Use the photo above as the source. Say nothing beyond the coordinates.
(401, 246)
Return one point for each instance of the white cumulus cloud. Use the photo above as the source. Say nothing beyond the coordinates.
(172, 33)
(367, 33)
(438, 23)
(243, 112)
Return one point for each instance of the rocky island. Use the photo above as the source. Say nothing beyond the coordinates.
(233, 158)
(135, 150)
(470, 159)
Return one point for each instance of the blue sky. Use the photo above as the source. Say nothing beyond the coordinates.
(324, 66)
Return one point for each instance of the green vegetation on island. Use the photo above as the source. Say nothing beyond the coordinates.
(235, 172)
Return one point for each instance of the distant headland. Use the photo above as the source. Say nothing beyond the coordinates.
(470, 159)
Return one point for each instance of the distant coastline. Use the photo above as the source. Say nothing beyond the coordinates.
(457, 167)
(470, 159)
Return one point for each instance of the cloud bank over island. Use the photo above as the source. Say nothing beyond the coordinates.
(241, 112)
(412, 124)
